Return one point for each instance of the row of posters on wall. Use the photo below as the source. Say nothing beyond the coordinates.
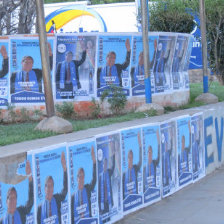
(83, 66)
(101, 179)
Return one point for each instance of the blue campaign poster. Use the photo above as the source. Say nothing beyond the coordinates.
(162, 63)
(137, 65)
(168, 151)
(75, 62)
(109, 177)
(51, 185)
(184, 151)
(83, 182)
(113, 62)
(26, 78)
(178, 62)
(4, 71)
(187, 62)
(131, 144)
(198, 150)
(151, 164)
(17, 200)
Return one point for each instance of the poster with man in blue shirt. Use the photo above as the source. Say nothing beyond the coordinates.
(162, 63)
(109, 174)
(184, 151)
(75, 62)
(131, 143)
(179, 59)
(26, 81)
(4, 69)
(113, 63)
(137, 64)
(198, 152)
(168, 151)
(51, 181)
(17, 200)
(151, 164)
(83, 182)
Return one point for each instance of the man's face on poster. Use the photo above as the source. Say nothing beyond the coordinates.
(27, 64)
(69, 56)
(11, 202)
(81, 177)
(140, 59)
(150, 154)
(111, 57)
(130, 159)
(49, 189)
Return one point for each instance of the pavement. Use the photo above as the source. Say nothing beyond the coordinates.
(198, 203)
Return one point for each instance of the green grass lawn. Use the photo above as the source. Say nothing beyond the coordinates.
(20, 132)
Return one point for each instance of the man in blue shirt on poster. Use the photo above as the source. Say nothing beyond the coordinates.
(67, 74)
(17, 215)
(29, 78)
(196, 138)
(50, 210)
(5, 62)
(183, 158)
(149, 171)
(80, 201)
(130, 183)
(111, 73)
(105, 187)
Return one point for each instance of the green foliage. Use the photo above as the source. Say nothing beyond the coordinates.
(116, 99)
(24, 114)
(66, 109)
(171, 16)
(95, 108)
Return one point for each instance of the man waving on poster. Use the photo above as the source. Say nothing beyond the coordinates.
(80, 201)
(50, 210)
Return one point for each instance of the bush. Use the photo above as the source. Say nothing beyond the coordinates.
(66, 109)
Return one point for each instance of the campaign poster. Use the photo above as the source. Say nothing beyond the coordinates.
(113, 63)
(4, 72)
(131, 144)
(26, 78)
(17, 200)
(187, 62)
(168, 151)
(179, 61)
(137, 65)
(75, 67)
(151, 164)
(184, 151)
(83, 182)
(109, 177)
(198, 150)
(51, 185)
(161, 67)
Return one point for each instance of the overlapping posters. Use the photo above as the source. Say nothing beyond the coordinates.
(162, 64)
(75, 62)
(151, 164)
(26, 78)
(198, 152)
(17, 200)
(113, 63)
(83, 182)
(168, 151)
(181, 48)
(184, 151)
(137, 65)
(4, 69)
(131, 144)
(51, 185)
(109, 177)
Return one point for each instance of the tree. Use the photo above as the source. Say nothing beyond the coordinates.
(17, 17)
